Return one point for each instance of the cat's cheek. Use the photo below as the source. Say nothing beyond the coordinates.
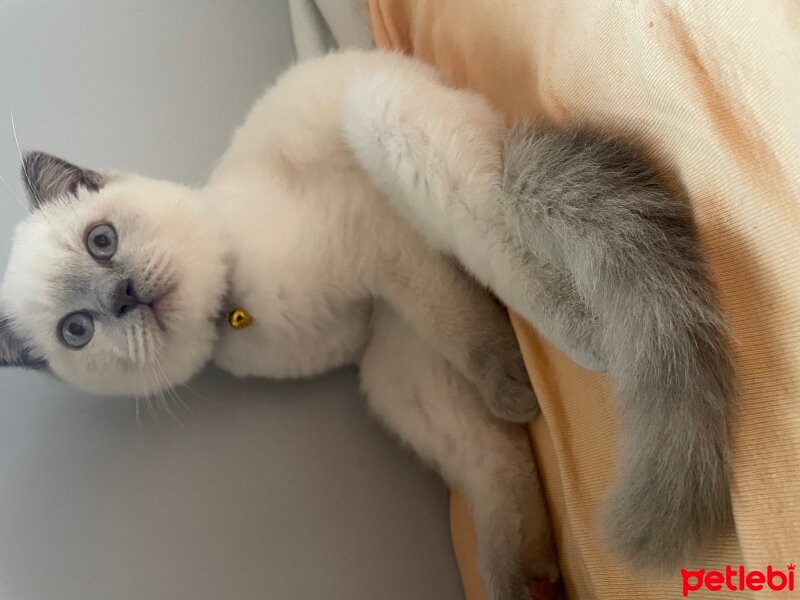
(99, 384)
(187, 350)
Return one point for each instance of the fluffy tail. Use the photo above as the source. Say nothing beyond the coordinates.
(595, 208)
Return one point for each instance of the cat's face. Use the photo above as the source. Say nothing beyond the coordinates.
(114, 282)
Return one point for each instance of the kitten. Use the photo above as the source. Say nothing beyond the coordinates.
(571, 231)
(120, 285)
(578, 235)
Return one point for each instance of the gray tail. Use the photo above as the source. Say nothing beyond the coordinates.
(595, 208)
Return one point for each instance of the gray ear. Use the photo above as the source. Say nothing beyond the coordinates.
(13, 351)
(47, 177)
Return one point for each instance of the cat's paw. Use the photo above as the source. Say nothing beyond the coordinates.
(507, 389)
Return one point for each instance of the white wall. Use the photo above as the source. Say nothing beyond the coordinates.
(269, 491)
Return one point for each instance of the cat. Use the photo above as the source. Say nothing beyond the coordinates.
(122, 285)
(331, 219)
(580, 235)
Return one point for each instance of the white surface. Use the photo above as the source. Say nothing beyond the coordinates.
(270, 490)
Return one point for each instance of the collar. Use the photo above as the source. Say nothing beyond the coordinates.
(235, 316)
(239, 318)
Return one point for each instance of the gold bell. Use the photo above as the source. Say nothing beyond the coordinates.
(239, 319)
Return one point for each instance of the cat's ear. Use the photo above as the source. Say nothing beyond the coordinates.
(14, 352)
(47, 177)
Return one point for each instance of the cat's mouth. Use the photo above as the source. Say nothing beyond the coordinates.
(162, 307)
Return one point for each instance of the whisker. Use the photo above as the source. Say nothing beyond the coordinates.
(164, 387)
(144, 394)
(22, 162)
(170, 412)
(179, 401)
(153, 411)
(180, 404)
(13, 193)
(139, 336)
(198, 394)
(131, 349)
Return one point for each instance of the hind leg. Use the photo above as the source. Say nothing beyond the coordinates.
(430, 406)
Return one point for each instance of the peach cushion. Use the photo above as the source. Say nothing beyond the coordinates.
(713, 90)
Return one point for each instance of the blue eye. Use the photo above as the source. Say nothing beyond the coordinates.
(102, 241)
(76, 329)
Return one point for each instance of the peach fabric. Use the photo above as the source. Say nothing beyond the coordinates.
(712, 90)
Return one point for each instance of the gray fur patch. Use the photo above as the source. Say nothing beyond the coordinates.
(47, 177)
(595, 211)
(15, 352)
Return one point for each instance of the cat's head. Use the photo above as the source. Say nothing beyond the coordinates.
(114, 280)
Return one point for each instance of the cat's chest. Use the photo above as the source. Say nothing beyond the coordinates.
(293, 333)
(292, 271)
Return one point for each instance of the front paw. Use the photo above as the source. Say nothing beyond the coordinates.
(508, 391)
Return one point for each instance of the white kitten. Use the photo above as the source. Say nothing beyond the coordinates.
(120, 285)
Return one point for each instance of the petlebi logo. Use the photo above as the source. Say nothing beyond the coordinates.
(738, 579)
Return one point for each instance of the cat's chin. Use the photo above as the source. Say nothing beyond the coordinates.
(139, 383)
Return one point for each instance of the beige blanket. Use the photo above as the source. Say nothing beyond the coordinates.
(712, 88)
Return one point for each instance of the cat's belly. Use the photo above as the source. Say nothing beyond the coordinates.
(305, 340)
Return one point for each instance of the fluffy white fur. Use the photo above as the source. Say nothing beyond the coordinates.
(291, 228)
(438, 153)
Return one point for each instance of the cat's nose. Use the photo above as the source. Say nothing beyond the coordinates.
(124, 298)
